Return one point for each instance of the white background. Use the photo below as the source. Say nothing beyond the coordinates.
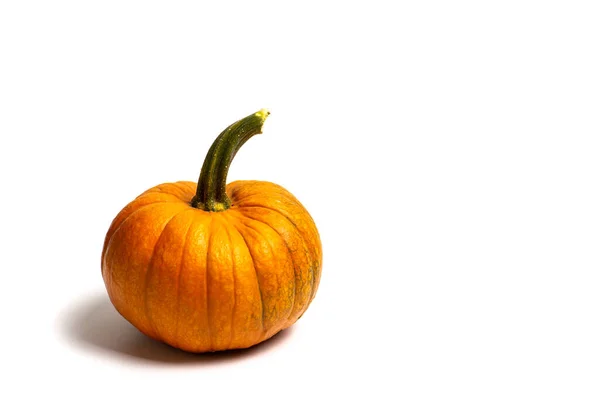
(448, 151)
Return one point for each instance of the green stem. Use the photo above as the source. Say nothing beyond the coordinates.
(210, 194)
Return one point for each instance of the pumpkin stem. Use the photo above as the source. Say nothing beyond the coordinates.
(210, 194)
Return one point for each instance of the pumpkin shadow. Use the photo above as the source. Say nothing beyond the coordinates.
(94, 325)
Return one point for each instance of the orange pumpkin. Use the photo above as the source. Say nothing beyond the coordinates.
(209, 266)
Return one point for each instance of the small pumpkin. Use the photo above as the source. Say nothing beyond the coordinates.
(209, 266)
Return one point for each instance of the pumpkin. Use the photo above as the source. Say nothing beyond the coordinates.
(213, 266)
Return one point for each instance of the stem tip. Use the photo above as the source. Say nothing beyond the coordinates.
(263, 114)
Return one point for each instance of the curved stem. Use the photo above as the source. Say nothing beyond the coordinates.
(210, 194)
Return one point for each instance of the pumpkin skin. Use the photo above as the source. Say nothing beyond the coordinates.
(207, 281)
